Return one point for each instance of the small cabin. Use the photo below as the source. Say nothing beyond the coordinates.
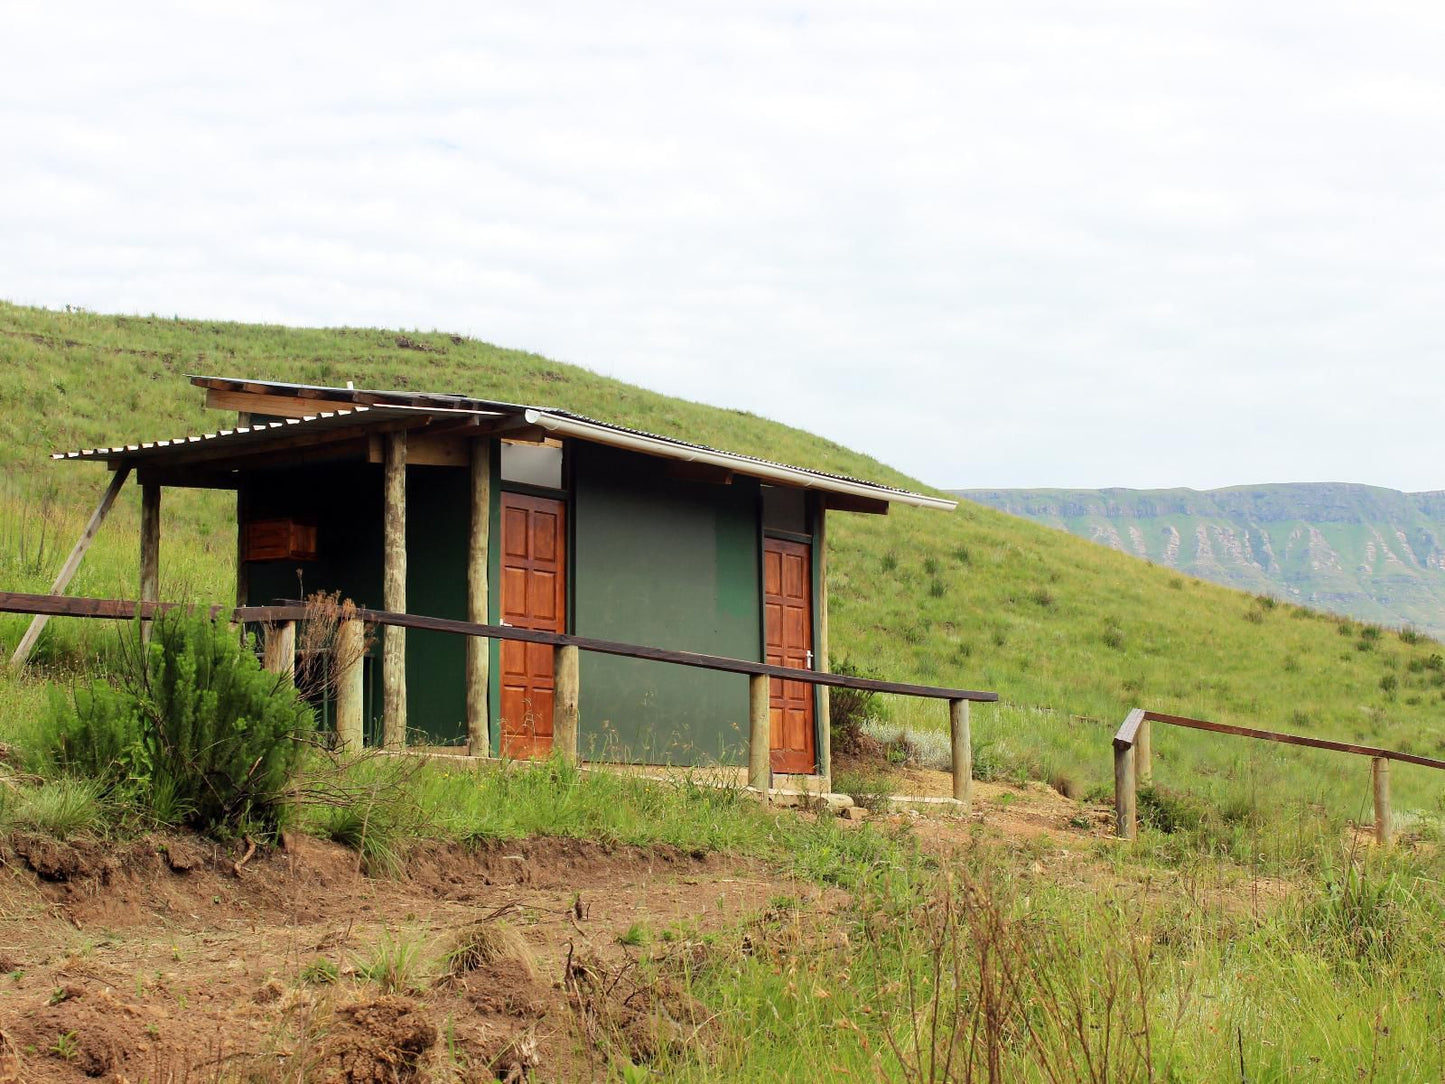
(497, 513)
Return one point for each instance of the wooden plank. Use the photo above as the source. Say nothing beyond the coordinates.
(1144, 753)
(262, 402)
(760, 758)
(848, 502)
(1294, 739)
(71, 566)
(393, 638)
(961, 741)
(1130, 728)
(565, 717)
(12, 602)
(426, 450)
(478, 662)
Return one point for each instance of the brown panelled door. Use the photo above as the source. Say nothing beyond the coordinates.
(533, 596)
(788, 605)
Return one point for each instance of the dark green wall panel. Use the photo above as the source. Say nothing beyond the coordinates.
(668, 564)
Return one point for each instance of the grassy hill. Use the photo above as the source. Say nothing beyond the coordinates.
(1071, 634)
(1370, 553)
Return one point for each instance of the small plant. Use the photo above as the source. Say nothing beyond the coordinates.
(1435, 662)
(1169, 811)
(395, 964)
(871, 791)
(889, 562)
(1176, 583)
(937, 589)
(1043, 598)
(66, 1045)
(635, 937)
(320, 972)
(1254, 617)
(930, 565)
(368, 827)
(1410, 635)
(62, 808)
(1113, 636)
(849, 710)
(962, 555)
(1369, 632)
(487, 942)
(1389, 684)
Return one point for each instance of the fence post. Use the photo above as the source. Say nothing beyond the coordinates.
(280, 649)
(1124, 790)
(1144, 753)
(1384, 830)
(962, 742)
(565, 716)
(350, 650)
(760, 752)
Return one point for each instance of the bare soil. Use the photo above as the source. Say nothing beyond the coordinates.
(157, 961)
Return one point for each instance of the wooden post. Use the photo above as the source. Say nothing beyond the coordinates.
(280, 649)
(350, 650)
(393, 639)
(150, 548)
(760, 750)
(72, 564)
(820, 656)
(962, 742)
(243, 572)
(1144, 754)
(565, 716)
(1384, 829)
(479, 742)
(1124, 796)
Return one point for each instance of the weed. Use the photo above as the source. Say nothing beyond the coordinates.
(395, 964)
(320, 972)
(62, 808)
(66, 1045)
(1113, 637)
(368, 828)
(871, 791)
(937, 589)
(487, 942)
(1043, 598)
(635, 936)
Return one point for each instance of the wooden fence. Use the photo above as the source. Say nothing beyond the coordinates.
(280, 640)
(1133, 762)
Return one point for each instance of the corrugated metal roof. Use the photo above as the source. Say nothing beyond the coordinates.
(365, 406)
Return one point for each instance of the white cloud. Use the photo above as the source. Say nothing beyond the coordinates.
(1033, 244)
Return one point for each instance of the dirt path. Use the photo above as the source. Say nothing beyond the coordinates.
(159, 963)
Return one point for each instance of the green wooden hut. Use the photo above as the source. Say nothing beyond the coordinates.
(491, 512)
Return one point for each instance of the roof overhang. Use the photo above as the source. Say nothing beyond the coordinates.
(313, 416)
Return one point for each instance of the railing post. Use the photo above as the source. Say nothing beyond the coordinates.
(760, 753)
(1144, 754)
(565, 716)
(1124, 790)
(350, 650)
(280, 649)
(1384, 830)
(962, 742)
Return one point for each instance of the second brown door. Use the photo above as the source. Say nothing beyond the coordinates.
(788, 609)
(533, 596)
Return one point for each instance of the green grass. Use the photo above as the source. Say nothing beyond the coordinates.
(1071, 634)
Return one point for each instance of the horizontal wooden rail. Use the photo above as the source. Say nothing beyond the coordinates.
(124, 609)
(280, 619)
(1133, 756)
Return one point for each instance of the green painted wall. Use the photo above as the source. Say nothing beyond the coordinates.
(666, 564)
(345, 501)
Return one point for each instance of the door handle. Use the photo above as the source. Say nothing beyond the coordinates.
(810, 660)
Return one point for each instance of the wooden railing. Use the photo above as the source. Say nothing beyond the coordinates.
(280, 623)
(1133, 757)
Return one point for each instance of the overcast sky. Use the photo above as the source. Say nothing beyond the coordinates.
(1022, 244)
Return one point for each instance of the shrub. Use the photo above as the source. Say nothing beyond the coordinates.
(848, 710)
(869, 791)
(1169, 811)
(1410, 635)
(195, 721)
(1114, 636)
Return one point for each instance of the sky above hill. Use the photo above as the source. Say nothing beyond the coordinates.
(1028, 244)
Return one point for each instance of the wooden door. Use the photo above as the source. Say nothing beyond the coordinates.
(788, 606)
(534, 596)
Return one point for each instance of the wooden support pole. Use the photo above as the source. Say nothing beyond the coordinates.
(150, 548)
(243, 572)
(280, 649)
(1384, 829)
(820, 658)
(1124, 795)
(962, 742)
(350, 651)
(565, 716)
(760, 750)
(393, 639)
(72, 565)
(1144, 754)
(479, 742)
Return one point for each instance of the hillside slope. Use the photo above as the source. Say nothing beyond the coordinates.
(1071, 634)
(1366, 552)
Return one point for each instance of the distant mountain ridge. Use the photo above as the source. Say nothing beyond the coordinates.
(1371, 553)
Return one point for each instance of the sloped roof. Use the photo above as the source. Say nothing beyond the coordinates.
(338, 408)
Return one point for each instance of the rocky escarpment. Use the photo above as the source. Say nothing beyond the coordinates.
(1372, 553)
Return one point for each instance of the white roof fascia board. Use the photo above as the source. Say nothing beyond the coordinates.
(783, 475)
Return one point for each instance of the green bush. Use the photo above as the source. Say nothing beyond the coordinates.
(194, 721)
(848, 710)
